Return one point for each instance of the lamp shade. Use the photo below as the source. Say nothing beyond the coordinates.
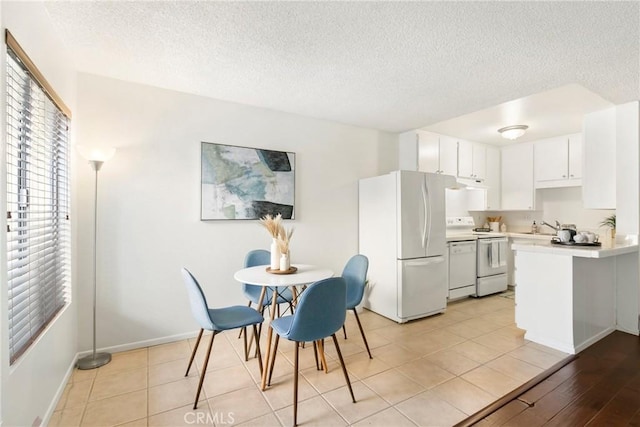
(513, 132)
(101, 154)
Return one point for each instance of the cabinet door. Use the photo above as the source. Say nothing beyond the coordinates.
(517, 177)
(448, 155)
(479, 161)
(465, 159)
(551, 159)
(575, 156)
(428, 152)
(492, 180)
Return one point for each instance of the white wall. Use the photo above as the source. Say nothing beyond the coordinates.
(149, 201)
(561, 204)
(628, 211)
(29, 387)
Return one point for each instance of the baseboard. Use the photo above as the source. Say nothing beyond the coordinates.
(59, 393)
(593, 339)
(635, 332)
(141, 344)
(112, 349)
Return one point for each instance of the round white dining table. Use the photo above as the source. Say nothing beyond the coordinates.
(259, 276)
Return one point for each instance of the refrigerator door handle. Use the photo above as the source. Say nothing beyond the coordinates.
(425, 195)
(423, 261)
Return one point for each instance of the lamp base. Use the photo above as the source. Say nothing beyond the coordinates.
(92, 362)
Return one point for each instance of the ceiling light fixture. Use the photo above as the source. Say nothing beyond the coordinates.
(513, 132)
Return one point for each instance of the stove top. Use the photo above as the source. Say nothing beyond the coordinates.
(464, 228)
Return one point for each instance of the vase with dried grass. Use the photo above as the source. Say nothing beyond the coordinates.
(273, 226)
(283, 240)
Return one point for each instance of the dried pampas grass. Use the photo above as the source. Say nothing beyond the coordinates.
(284, 237)
(272, 224)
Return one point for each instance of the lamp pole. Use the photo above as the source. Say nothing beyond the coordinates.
(95, 360)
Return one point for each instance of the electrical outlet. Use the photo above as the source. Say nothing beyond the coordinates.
(526, 217)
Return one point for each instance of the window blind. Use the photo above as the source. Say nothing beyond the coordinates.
(38, 230)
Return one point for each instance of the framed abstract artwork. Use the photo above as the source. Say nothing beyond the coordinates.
(246, 183)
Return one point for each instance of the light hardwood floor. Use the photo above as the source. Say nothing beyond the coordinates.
(435, 371)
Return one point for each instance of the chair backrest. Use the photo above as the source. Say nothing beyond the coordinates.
(355, 274)
(252, 259)
(198, 302)
(321, 310)
(257, 257)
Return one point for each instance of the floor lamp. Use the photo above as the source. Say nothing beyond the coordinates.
(96, 159)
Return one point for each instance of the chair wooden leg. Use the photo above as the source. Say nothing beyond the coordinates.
(257, 337)
(255, 333)
(344, 368)
(240, 333)
(362, 332)
(295, 386)
(193, 353)
(323, 360)
(273, 359)
(204, 370)
(279, 310)
(246, 347)
(344, 330)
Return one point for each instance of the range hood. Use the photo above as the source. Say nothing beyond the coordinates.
(470, 183)
(455, 183)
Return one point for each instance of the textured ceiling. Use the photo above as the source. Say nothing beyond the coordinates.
(385, 65)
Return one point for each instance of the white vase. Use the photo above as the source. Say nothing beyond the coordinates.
(284, 262)
(275, 255)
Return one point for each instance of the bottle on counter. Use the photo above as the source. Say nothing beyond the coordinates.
(534, 228)
(503, 228)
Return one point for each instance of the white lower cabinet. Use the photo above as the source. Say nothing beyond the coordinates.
(567, 305)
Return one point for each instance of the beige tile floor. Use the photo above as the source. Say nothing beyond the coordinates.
(434, 371)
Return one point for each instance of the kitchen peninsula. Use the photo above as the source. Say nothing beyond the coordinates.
(566, 295)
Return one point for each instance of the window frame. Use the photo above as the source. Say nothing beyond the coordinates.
(40, 150)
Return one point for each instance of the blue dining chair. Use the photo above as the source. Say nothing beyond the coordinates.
(252, 292)
(320, 312)
(218, 320)
(355, 274)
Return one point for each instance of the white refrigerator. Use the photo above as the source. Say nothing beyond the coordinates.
(402, 232)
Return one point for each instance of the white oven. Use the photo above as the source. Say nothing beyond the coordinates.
(492, 253)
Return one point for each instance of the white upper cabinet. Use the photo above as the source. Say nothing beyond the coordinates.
(429, 152)
(558, 161)
(472, 160)
(448, 155)
(575, 156)
(437, 153)
(492, 180)
(599, 173)
(518, 192)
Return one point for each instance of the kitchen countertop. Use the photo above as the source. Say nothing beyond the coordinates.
(607, 249)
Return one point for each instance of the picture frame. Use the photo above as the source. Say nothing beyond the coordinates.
(244, 183)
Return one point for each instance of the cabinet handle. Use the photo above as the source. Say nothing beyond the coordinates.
(571, 175)
(564, 176)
